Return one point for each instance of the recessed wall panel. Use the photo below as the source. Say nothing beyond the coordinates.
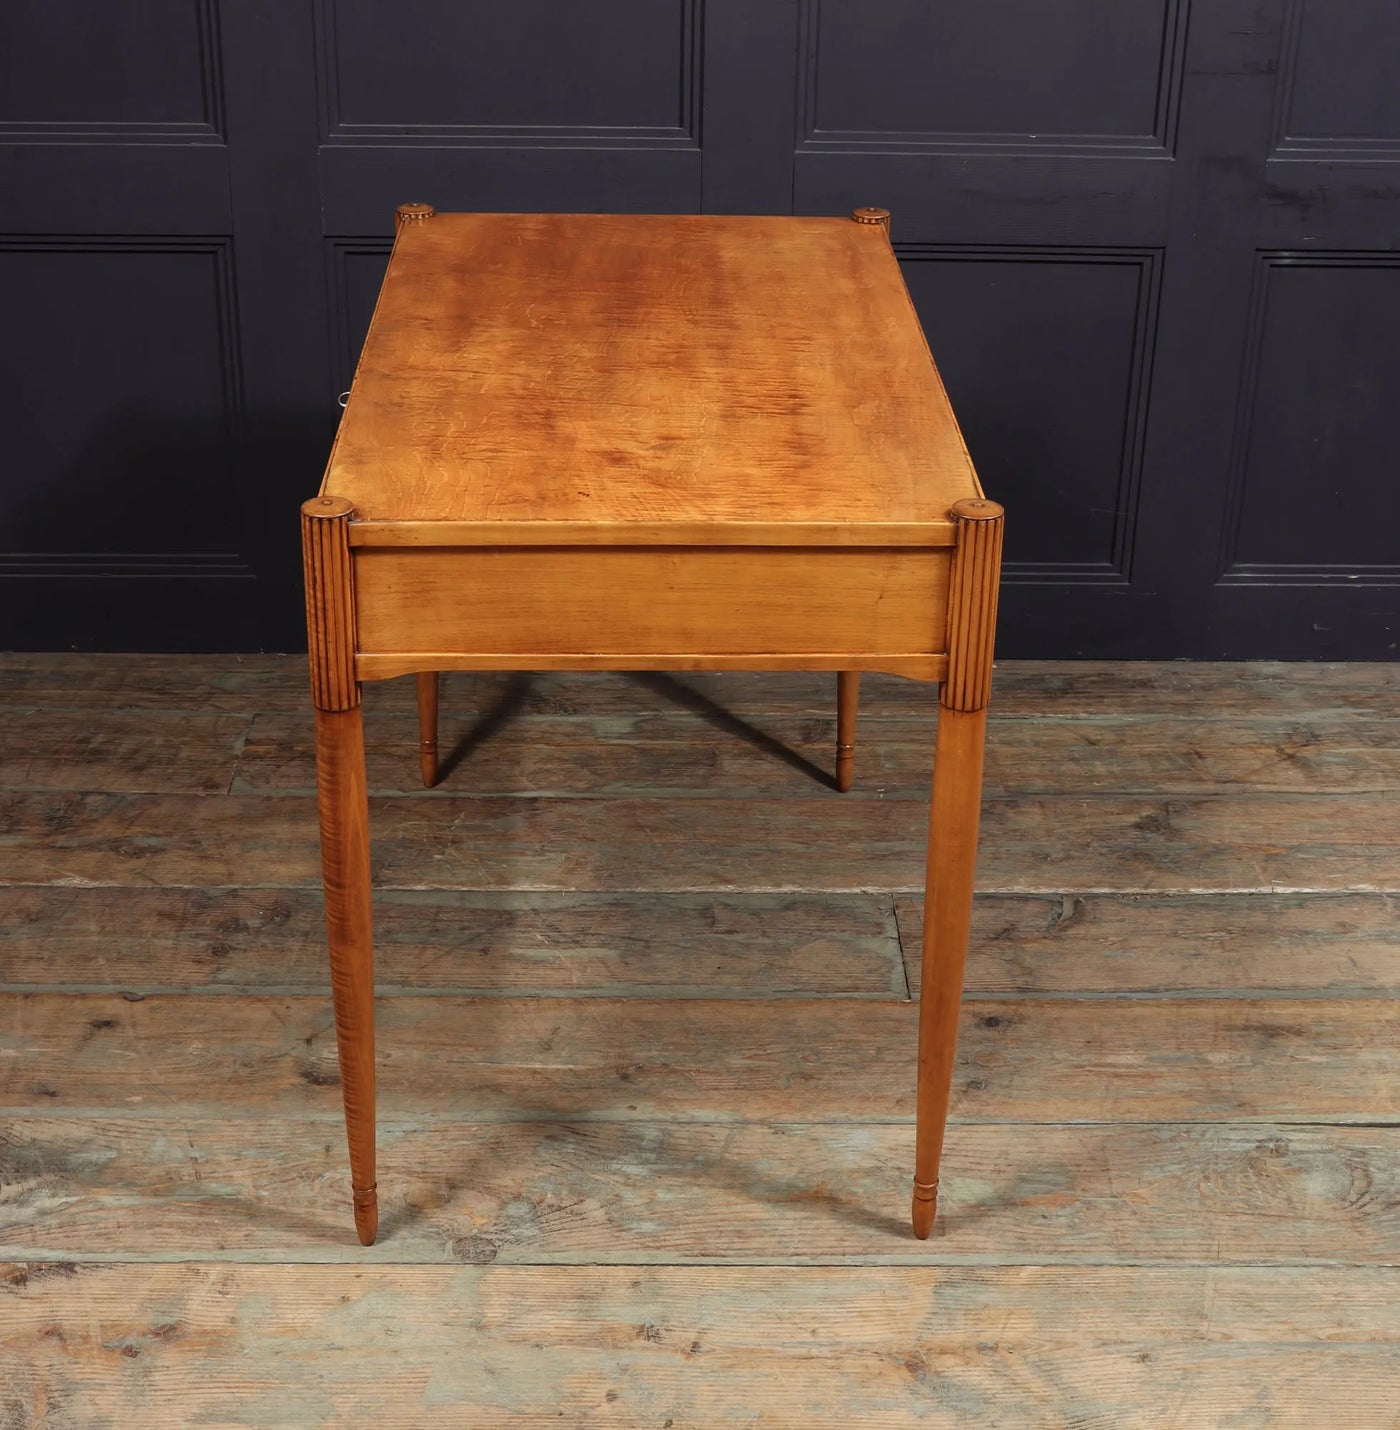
(119, 373)
(410, 66)
(115, 67)
(1340, 73)
(1312, 497)
(1045, 356)
(950, 68)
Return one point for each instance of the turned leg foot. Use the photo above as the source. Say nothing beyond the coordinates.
(366, 1214)
(428, 727)
(925, 1208)
(847, 699)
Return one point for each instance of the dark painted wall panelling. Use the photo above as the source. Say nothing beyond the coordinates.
(1044, 356)
(1319, 405)
(1341, 80)
(1000, 67)
(540, 105)
(416, 65)
(120, 361)
(122, 65)
(357, 269)
(1154, 243)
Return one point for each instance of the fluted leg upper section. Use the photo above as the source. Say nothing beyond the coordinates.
(972, 604)
(330, 602)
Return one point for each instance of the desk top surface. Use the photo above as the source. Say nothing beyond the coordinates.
(593, 378)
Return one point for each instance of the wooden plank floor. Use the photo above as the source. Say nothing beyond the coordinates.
(647, 1054)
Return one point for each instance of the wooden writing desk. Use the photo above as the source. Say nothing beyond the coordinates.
(599, 442)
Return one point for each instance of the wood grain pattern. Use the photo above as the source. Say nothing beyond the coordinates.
(459, 324)
(704, 750)
(1167, 755)
(691, 745)
(1029, 690)
(1239, 843)
(809, 535)
(1032, 689)
(702, 747)
(382, 665)
(827, 1347)
(1234, 944)
(734, 1060)
(120, 750)
(716, 372)
(169, 684)
(951, 869)
(343, 816)
(641, 1193)
(1200, 1175)
(742, 945)
(649, 601)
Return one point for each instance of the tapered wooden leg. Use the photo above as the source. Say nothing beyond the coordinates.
(953, 820)
(344, 816)
(957, 794)
(428, 726)
(847, 700)
(344, 811)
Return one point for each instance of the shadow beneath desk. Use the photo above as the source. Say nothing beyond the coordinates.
(509, 703)
(698, 704)
(514, 699)
(767, 1191)
(555, 1188)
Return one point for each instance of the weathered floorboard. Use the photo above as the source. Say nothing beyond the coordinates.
(140, 751)
(741, 944)
(1045, 1060)
(1167, 1199)
(829, 1347)
(244, 940)
(1023, 689)
(677, 754)
(550, 756)
(1347, 944)
(132, 1188)
(1119, 844)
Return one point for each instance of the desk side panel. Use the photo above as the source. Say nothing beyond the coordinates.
(471, 608)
